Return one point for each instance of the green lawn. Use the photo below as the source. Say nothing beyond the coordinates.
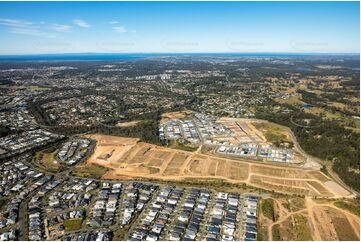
(46, 160)
(73, 224)
(90, 170)
(267, 208)
(181, 146)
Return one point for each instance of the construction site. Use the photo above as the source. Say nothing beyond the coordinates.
(127, 158)
(247, 138)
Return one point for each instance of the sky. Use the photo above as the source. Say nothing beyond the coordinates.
(173, 27)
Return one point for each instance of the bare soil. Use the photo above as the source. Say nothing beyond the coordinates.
(127, 157)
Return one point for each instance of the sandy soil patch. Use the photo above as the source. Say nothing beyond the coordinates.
(333, 224)
(109, 140)
(109, 149)
(174, 115)
(128, 124)
(271, 185)
(336, 188)
(319, 188)
(319, 176)
(175, 164)
(278, 172)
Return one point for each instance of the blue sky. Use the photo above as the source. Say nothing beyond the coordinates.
(106, 27)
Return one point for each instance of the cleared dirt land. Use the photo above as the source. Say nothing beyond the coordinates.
(174, 115)
(130, 159)
(304, 219)
(244, 130)
(128, 124)
(332, 223)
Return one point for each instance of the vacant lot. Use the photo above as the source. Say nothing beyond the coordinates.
(127, 158)
(333, 224)
(90, 170)
(128, 124)
(294, 100)
(46, 160)
(244, 130)
(174, 115)
(72, 224)
(274, 133)
(268, 208)
(110, 149)
(279, 172)
(351, 205)
(295, 228)
(304, 219)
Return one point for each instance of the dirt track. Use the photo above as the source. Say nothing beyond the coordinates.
(325, 221)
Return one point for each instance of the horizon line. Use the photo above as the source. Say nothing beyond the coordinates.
(181, 53)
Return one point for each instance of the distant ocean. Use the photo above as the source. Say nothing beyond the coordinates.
(135, 56)
(73, 57)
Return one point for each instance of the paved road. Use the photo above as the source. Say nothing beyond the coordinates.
(23, 214)
(136, 220)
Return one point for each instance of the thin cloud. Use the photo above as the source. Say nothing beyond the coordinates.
(120, 29)
(17, 26)
(81, 23)
(31, 31)
(61, 28)
(16, 23)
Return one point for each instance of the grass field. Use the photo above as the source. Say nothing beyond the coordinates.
(353, 206)
(175, 115)
(318, 111)
(306, 219)
(295, 228)
(72, 224)
(268, 209)
(301, 228)
(181, 146)
(120, 233)
(294, 100)
(46, 160)
(276, 233)
(274, 133)
(38, 88)
(90, 170)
